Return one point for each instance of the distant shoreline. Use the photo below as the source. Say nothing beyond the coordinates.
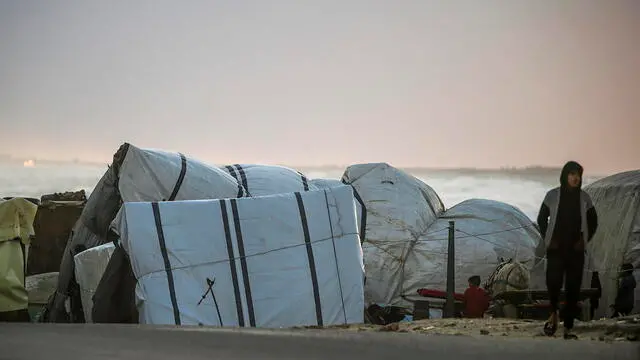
(524, 170)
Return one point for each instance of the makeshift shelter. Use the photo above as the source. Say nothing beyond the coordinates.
(16, 232)
(261, 180)
(135, 175)
(617, 240)
(486, 232)
(396, 211)
(273, 261)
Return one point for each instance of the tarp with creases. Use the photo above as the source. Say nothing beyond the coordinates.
(617, 240)
(274, 261)
(396, 209)
(89, 267)
(361, 215)
(135, 175)
(486, 233)
(261, 180)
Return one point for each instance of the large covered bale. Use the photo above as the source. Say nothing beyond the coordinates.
(274, 261)
(135, 175)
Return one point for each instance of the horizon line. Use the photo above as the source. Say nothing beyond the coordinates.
(8, 158)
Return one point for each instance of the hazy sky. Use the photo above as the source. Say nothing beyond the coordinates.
(413, 83)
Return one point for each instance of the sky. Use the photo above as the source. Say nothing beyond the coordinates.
(413, 83)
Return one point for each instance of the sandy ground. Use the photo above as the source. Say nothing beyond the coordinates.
(627, 329)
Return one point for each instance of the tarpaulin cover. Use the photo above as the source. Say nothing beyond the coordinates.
(90, 265)
(261, 180)
(136, 175)
(617, 240)
(274, 261)
(396, 209)
(486, 232)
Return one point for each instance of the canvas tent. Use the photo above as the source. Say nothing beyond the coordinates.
(396, 211)
(486, 231)
(617, 240)
(135, 175)
(274, 261)
(16, 232)
(261, 180)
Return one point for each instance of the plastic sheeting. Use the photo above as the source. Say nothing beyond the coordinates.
(361, 215)
(397, 210)
(275, 261)
(617, 240)
(326, 183)
(89, 266)
(486, 232)
(16, 231)
(137, 175)
(262, 180)
(41, 286)
(150, 175)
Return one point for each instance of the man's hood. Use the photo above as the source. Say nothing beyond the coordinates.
(566, 169)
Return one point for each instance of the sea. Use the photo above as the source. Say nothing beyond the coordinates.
(524, 189)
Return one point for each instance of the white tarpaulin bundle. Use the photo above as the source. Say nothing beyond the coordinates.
(617, 240)
(154, 175)
(90, 265)
(274, 261)
(397, 209)
(262, 180)
(486, 231)
(137, 175)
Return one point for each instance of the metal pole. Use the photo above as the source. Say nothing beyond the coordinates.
(450, 305)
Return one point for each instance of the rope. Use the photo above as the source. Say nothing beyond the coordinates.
(227, 259)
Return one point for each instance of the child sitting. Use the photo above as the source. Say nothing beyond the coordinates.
(476, 300)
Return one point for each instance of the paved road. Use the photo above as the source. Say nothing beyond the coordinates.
(89, 342)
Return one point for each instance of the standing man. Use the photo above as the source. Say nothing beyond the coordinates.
(567, 221)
